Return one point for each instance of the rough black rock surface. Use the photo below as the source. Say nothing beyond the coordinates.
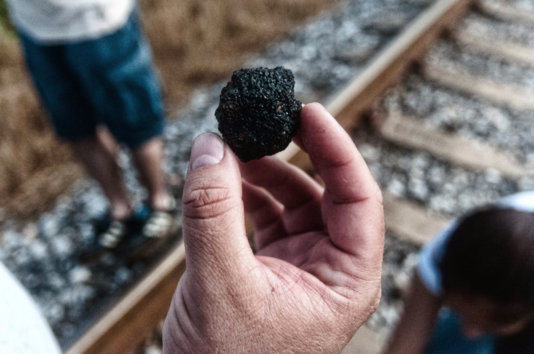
(258, 114)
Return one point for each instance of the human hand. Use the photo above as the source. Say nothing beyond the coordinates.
(315, 277)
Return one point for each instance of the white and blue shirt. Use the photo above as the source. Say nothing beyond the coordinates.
(60, 21)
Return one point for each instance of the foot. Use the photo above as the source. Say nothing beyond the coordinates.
(160, 221)
(158, 227)
(112, 234)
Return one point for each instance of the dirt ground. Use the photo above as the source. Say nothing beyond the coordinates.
(194, 43)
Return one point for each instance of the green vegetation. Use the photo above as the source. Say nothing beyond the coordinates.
(5, 24)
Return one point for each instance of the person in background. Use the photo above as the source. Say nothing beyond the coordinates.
(479, 272)
(92, 68)
(314, 278)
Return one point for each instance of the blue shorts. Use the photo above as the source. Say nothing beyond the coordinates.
(448, 338)
(106, 81)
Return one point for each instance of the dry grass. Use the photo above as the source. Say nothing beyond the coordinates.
(27, 145)
(199, 42)
(194, 43)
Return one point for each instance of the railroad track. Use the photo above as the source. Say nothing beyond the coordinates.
(405, 113)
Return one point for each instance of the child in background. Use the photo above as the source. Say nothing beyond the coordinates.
(479, 272)
(92, 68)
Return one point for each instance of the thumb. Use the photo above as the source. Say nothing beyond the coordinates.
(213, 214)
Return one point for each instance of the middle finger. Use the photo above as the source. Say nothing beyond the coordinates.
(295, 190)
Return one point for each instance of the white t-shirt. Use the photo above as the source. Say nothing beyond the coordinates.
(22, 327)
(58, 21)
(432, 253)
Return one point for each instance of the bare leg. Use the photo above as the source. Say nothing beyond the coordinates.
(108, 141)
(148, 159)
(98, 155)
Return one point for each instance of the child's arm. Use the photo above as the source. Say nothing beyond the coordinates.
(417, 321)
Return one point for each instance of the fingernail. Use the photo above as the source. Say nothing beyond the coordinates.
(208, 149)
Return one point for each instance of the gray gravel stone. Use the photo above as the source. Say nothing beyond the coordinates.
(400, 258)
(80, 275)
(38, 250)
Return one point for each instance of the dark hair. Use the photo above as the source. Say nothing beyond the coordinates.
(491, 255)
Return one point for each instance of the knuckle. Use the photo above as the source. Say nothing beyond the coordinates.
(207, 202)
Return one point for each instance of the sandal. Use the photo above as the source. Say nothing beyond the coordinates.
(157, 229)
(111, 235)
(115, 234)
(160, 223)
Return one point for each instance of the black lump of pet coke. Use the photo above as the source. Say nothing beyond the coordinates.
(258, 114)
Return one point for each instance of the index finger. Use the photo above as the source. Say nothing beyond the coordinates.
(352, 203)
